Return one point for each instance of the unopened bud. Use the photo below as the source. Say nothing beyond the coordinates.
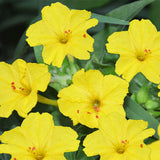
(143, 94)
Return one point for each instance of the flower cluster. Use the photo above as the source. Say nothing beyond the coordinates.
(92, 100)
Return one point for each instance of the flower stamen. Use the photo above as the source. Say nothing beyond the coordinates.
(121, 148)
(96, 105)
(20, 90)
(36, 155)
(141, 57)
(64, 38)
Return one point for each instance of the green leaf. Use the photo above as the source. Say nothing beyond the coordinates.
(99, 46)
(107, 19)
(79, 155)
(60, 119)
(128, 11)
(154, 15)
(38, 53)
(137, 82)
(135, 111)
(79, 4)
(83, 130)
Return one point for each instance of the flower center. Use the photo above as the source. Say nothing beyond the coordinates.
(35, 153)
(96, 105)
(120, 150)
(122, 147)
(64, 38)
(143, 55)
(20, 89)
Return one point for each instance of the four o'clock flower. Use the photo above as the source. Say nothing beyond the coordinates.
(19, 83)
(119, 139)
(61, 32)
(139, 50)
(39, 139)
(91, 96)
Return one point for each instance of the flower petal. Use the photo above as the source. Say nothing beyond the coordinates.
(54, 53)
(78, 17)
(38, 73)
(63, 142)
(112, 126)
(40, 33)
(151, 70)
(155, 150)
(142, 33)
(120, 43)
(95, 144)
(56, 16)
(128, 67)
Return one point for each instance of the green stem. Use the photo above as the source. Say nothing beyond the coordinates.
(45, 100)
(70, 58)
(73, 67)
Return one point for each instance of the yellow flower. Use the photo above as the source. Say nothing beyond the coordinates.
(92, 95)
(39, 139)
(119, 139)
(139, 50)
(155, 148)
(61, 32)
(19, 83)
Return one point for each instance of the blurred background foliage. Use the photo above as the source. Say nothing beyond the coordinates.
(17, 15)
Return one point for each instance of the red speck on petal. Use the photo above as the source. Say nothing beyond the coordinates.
(29, 147)
(15, 158)
(69, 30)
(123, 142)
(84, 35)
(12, 83)
(88, 112)
(78, 111)
(14, 87)
(65, 32)
(97, 116)
(33, 148)
(141, 145)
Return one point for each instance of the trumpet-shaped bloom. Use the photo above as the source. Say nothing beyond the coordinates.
(62, 31)
(155, 148)
(39, 139)
(92, 95)
(139, 50)
(119, 139)
(19, 83)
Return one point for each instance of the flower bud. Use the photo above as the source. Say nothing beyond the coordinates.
(143, 94)
(151, 104)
